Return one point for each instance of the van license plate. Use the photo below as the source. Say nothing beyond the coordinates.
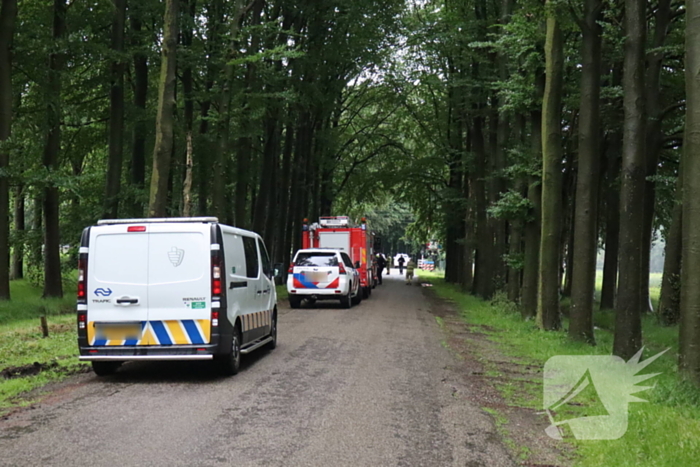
(316, 276)
(118, 331)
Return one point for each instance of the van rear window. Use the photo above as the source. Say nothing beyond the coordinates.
(316, 259)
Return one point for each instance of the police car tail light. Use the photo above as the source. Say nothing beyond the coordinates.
(214, 318)
(341, 268)
(291, 268)
(216, 276)
(82, 278)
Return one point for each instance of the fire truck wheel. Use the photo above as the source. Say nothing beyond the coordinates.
(346, 300)
(365, 292)
(294, 302)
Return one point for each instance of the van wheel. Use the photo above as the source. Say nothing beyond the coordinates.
(294, 302)
(273, 333)
(229, 363)
(105, 368)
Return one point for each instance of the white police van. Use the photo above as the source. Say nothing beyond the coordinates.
(173, 289)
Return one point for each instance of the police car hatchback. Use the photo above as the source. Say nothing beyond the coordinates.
(323, 274)
(173, 289)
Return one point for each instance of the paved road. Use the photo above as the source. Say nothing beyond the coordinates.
(367, 386)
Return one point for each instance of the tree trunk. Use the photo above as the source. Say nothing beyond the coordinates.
(162, 150)
(8, 16)
(689, 347)
(612, 226)
(654, 139)
(533, 232)
(549, 281)
(17, 271)
(187, 88)
(628, 324)
(116, 114)
(670, 300)
(220, 165)
(138, 148)
(53, 286)
(585, 246)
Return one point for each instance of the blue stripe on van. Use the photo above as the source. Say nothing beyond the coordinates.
(131, 342)
(100, 342)
(161, 333)
(192, 331)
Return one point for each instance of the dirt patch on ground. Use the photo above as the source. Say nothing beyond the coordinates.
(502, 386)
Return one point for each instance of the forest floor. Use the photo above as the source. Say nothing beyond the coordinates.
(508, 355)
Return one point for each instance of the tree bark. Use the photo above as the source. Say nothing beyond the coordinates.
(116, 113)
(138, 148)
(628, 325)
(549, 281)
(689, 348)
(17, 271)
(53, 286)
(585, 246)
(8, 17)
(162, 150)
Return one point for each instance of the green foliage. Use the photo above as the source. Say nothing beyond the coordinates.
(512, 206)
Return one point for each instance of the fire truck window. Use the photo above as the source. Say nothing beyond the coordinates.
(316, 259)
(347, 260)
(251, 257)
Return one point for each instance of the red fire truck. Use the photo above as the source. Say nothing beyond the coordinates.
(357, 241)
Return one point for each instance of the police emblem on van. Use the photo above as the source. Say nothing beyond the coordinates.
(176, 256)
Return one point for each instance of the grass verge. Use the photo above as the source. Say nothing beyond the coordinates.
(663, 432)
(27, 359)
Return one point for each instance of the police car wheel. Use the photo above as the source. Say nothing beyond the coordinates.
(346, 300)
(230, 363)
(105, 368)
(273, 333)
(294, 302)
(357, 298)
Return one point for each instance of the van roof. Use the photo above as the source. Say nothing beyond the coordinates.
(157, 220)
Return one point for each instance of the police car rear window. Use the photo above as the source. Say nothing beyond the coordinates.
(316, 259)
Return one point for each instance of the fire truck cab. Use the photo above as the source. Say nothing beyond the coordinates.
(357, 241)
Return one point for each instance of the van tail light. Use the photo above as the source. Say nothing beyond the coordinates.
(82, 320)
(291, 268)
(341, 268)
(216, 276)
(214, 318)
(82, 279)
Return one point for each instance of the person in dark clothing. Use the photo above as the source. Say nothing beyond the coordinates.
(381, 264)
(401, 263)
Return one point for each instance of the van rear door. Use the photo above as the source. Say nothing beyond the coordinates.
(179, 283)
(117, 294)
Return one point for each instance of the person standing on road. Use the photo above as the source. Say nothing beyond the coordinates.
(410, 267)
(401, 263)
(389, 264)
(381, 264)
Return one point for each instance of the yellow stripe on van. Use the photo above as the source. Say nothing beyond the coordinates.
(177, 333)
(205, 326)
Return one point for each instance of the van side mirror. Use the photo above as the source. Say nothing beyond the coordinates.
(357, 265)
(278, 270)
